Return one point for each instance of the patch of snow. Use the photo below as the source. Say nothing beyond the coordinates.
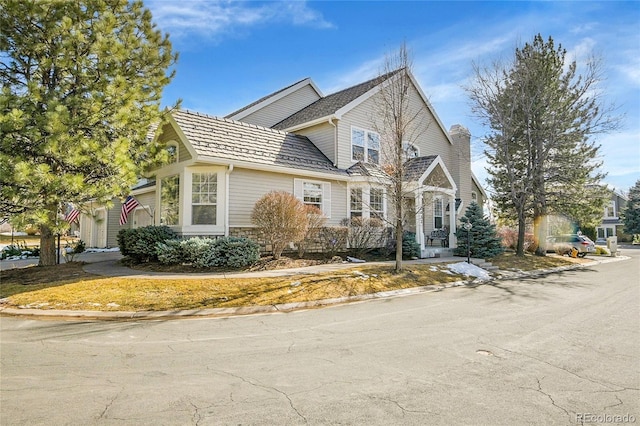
(99, 250)
(469, 269)
(361, 275)
(355, 260)
(15, 234)
(112, 305)
(433, 269)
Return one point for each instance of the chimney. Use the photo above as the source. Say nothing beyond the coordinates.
(461, 162)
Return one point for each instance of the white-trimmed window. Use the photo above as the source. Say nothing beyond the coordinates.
(204, 198)
(437, 213)
(376, 203)
(367, 202)
(170, 200)
(605, 232)
(409, 151)
(365, 146)
(610, 210)
(355, 202)
(172, 152)
(314, 193)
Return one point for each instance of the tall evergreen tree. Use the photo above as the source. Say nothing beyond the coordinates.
(81, 86)
(484, 240)
(543, 117)
(631, 213)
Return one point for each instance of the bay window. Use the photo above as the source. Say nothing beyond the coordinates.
(356, 202)
(170, 200)
(204, 198)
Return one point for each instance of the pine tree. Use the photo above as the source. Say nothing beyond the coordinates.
(631, 212)
(81, 86)
(484, 240)
(543, 116)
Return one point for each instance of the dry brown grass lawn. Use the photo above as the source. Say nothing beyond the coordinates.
(71, 288)
(511, 262)
(67, 286)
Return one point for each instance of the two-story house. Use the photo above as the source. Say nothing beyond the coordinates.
(611, 225)
(323, 149)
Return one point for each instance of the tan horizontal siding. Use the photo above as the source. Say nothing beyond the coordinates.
(246, 187)
(277, 111)
(322, 136)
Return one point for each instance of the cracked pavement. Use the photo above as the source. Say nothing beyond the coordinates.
(537, 350)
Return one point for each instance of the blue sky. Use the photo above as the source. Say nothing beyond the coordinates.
(232, 53)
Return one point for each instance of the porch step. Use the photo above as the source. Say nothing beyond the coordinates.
(430, 252)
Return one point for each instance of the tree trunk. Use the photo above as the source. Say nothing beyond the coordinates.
(48, 254)
(521, 228)
(399, 232)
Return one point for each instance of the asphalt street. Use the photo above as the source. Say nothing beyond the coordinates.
(558, 349)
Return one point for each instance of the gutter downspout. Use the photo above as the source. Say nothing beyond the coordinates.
(335, 141)
(226, 200)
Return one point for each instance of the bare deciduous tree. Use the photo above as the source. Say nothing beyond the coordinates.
(399, 123)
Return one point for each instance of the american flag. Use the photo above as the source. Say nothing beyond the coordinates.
(127, 207)
(72, 216)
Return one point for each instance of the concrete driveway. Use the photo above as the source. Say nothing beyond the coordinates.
(560, 349)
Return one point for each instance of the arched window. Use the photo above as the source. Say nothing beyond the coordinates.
(409, 151)
(172, 152)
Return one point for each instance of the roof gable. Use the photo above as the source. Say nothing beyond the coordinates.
(272, 97)
(330, 104)
(223, 139)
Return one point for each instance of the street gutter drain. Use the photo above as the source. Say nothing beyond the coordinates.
(484, 352)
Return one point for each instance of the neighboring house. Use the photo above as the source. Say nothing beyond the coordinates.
(321, 148)
(612, 224)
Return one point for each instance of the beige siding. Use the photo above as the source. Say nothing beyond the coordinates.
(169, 134)
(277, 111)
(145, 214)
(477, 190)
(247, 186)
(322, 136)
(359, 117)
(427, 135)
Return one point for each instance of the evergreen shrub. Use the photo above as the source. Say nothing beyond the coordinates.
(139, 244)
(485, 242)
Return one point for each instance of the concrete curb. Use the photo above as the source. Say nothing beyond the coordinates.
(284, 307)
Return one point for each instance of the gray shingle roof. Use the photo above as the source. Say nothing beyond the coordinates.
(368, 170)
(233, 140)
(264, 98)
(331, 103)
(415, 167)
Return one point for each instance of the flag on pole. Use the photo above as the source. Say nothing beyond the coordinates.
(72, 216)
(127, 207)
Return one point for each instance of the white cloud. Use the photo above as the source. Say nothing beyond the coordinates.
(360, 74)
(214, 18)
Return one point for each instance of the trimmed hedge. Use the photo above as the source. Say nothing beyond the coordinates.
(232, 252)
(139, 244)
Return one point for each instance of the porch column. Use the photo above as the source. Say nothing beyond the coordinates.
(419, 221)
(452, 222)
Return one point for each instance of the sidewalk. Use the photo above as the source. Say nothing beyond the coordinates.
(111, 268)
